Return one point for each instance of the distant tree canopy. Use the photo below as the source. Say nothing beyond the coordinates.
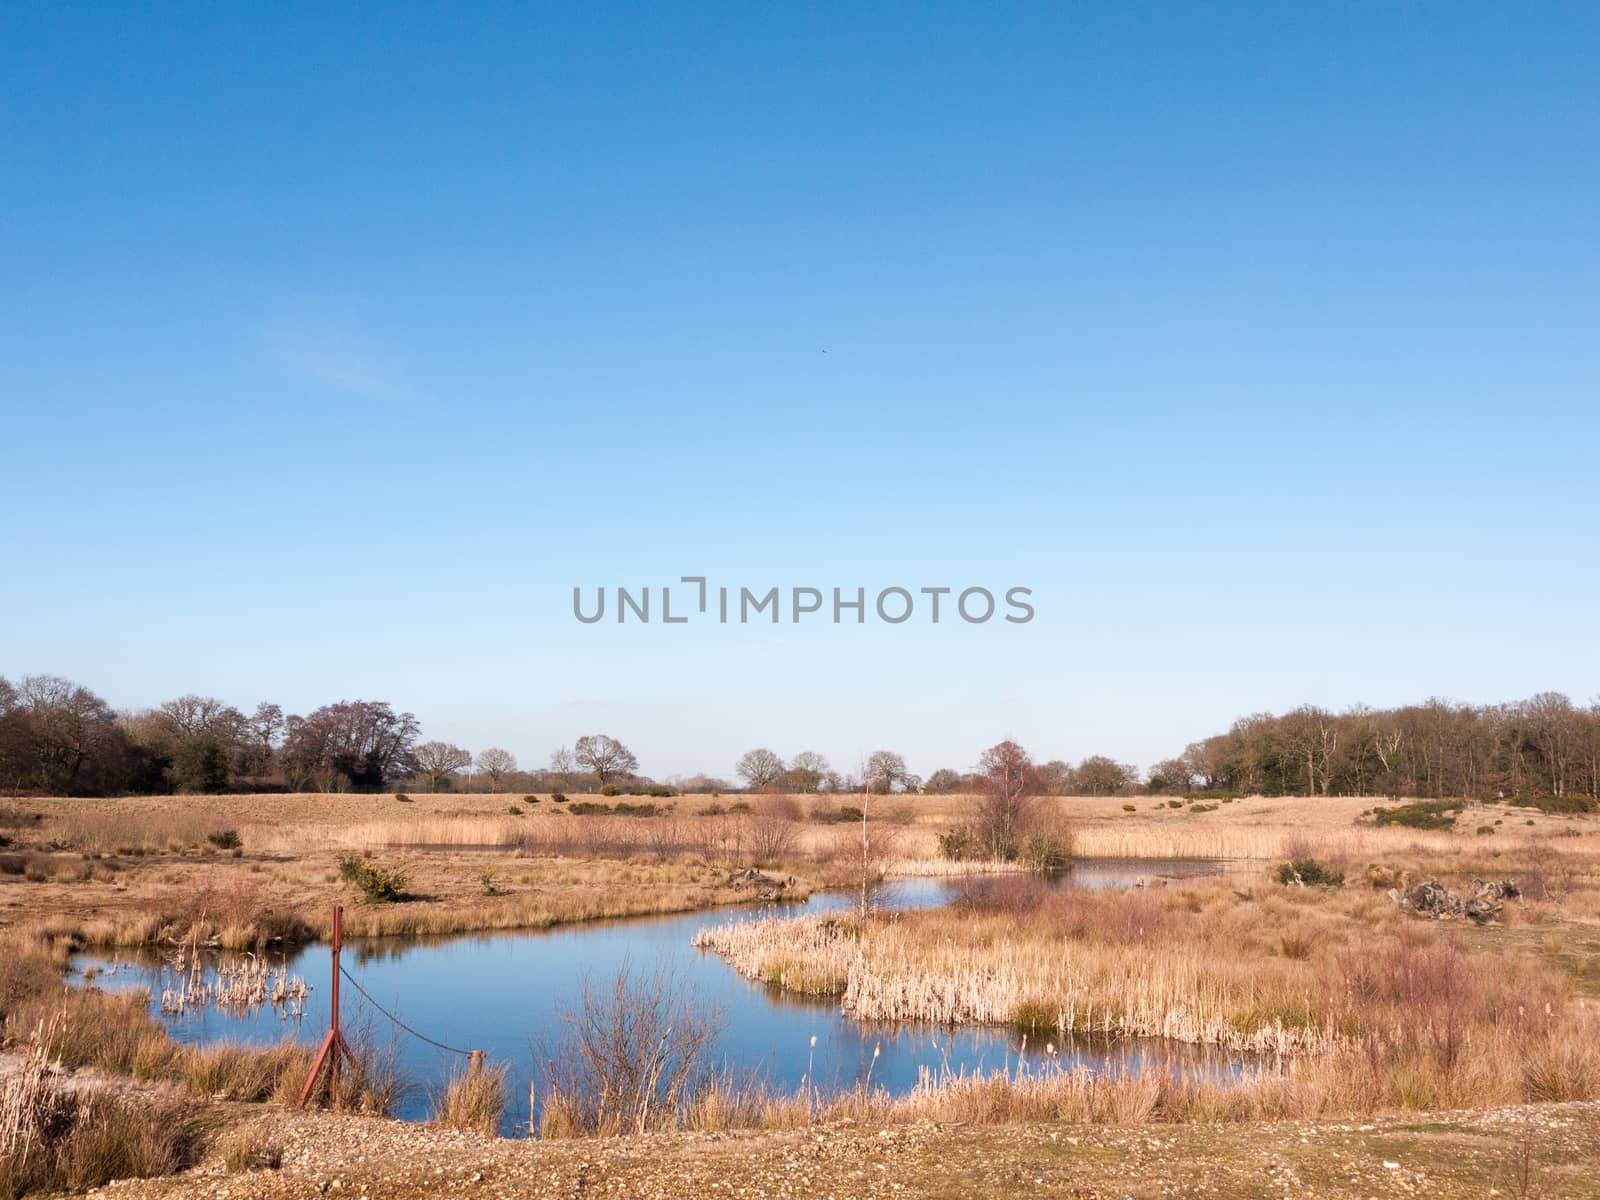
(760, 768)
(359, 743)
(58, 737)
(603, 755)
(1544, 745)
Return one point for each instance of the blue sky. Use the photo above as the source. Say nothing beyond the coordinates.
(338, 345)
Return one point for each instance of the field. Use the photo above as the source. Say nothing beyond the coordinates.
(1413, 1033)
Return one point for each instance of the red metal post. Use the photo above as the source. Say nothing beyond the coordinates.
(333, 1019)
(334, 1044)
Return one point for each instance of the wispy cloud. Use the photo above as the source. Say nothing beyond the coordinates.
(330, 351)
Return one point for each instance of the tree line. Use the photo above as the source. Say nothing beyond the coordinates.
(1542, 746)
(59, 737)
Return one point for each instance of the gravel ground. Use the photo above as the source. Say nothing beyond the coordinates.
(1467, 1154)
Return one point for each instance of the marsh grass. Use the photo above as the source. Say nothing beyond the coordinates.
(473, 1098)
(53, 1139)
(1369, 1009)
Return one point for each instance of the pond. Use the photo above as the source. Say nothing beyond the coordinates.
(500, 993)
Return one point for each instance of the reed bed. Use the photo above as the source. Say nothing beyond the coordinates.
(1288, 973)
(236, 985)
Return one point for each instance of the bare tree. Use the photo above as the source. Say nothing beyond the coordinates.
(605, 756)
(807, 770)
(760, 768)
(436, 761)
(883, 771)
(496, 764)
(194, 716)
(772, 830)
(1006, 799)
(357, 743)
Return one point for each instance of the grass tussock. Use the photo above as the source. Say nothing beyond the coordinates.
(55, 1139)
(248, 1149)
(473, 1099)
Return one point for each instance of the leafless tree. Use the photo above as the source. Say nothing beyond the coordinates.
(605, 756)
(1006, 797)
(193, 716)
(771, 830)
(884, 770)
(363, 742)
(807, 771)
(437, 761)
(496, 764)
(760, 768)
(1098, 775)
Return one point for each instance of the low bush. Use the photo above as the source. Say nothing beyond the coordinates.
(1310, 873)
(1425, 814)
(957, 844)
(558, 798)
(380, 885)
(402, 797)
(514, 811)
(1130, 808)
(739, 806)
(530, 799)
(1045, 852)
(225, 839)
(610, 789)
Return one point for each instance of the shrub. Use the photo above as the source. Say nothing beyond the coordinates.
(380, 885)
(402, 797)
(490, 887)
(1428, 814)
(624, 809)
(1174, 803)
(957, 844)
(1202, 808)
(739, 806)
(588, 808)
(1483, 829)
(225, 839)
(530, 799)
(558, 798)
(514, 811)
(610, 789)
(1130, 808)
(1046, 852)
(1310, 872)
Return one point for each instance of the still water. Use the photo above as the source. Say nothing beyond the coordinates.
(501, 992)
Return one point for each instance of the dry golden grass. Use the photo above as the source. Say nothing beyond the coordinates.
(1374, 1009)
(1234, 961)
